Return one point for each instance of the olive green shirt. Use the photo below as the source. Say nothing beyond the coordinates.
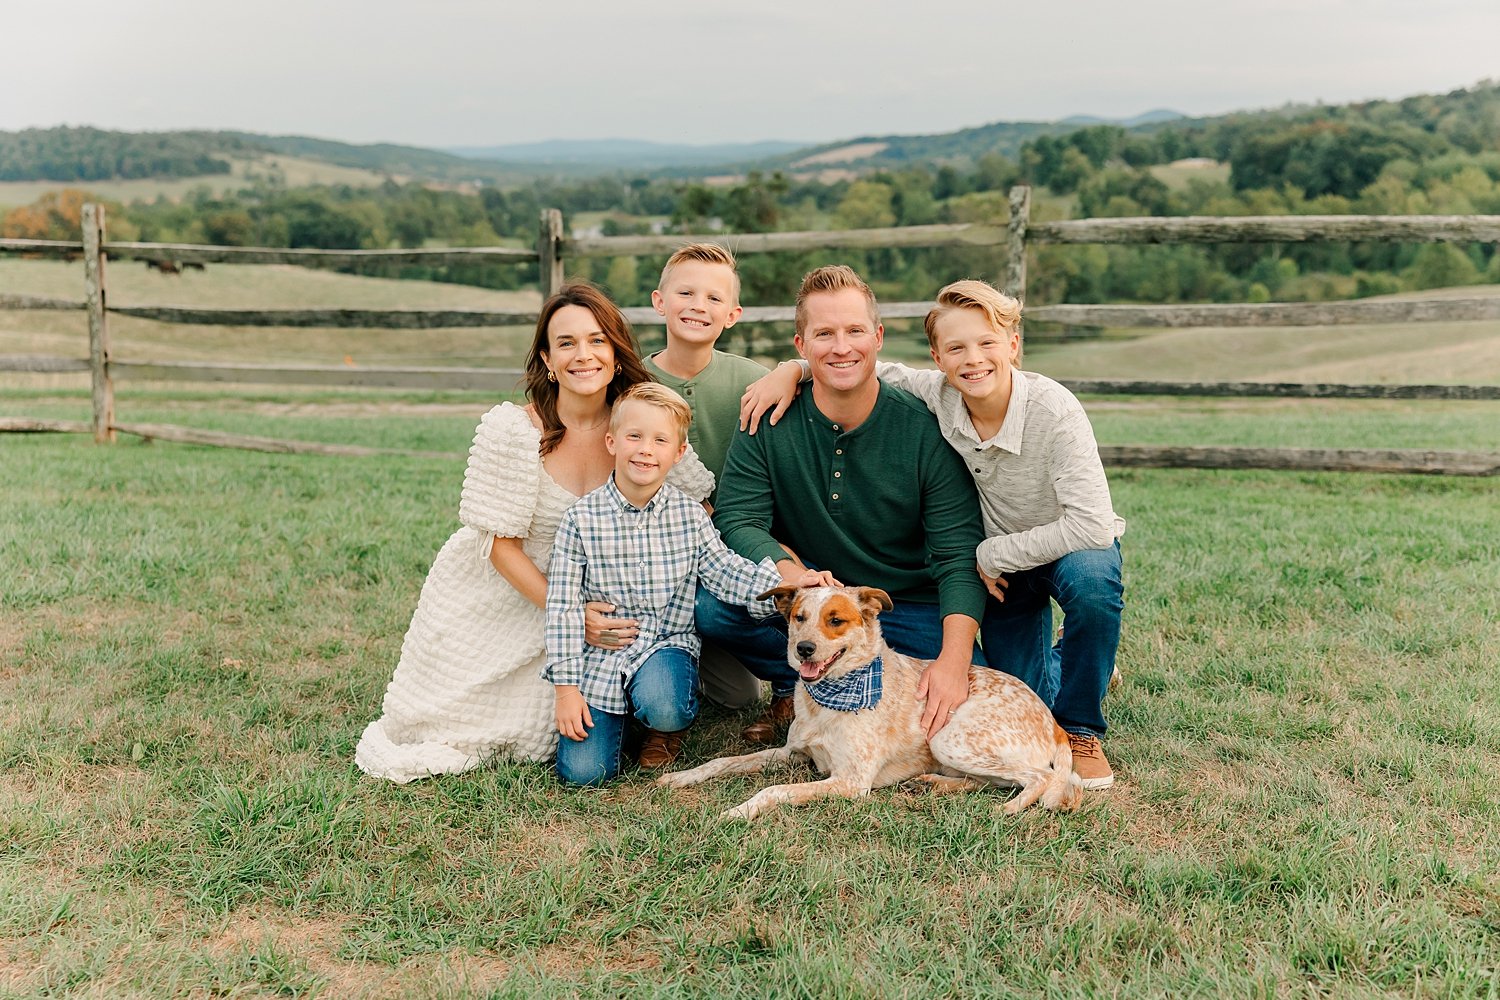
(714, 395)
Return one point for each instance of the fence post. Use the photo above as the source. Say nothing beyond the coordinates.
(93, 280)
(1015, 244)
(549, 265)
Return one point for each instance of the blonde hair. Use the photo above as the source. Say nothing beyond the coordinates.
(703, 253)
(1002, 311)
(832, 278)
(657, 395)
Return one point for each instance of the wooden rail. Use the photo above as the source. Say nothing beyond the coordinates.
(43, 248)
(478, 379)
(1273, 229)
(1411, 462)
(1280, 390)
(1374, 311)
(192, 253)
(553, 248)
(1408, 461)
(306, 256)
(947, 235)
(387, 319)
(218, 439)
(8, 301)
(491, 379)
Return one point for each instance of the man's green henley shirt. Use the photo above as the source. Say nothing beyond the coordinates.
(888, 504)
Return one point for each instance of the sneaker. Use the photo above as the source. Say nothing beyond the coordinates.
(773, 722)
(659, 750)
(1089, 762)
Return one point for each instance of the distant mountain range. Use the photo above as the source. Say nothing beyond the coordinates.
(1147, 118)
(641, 155)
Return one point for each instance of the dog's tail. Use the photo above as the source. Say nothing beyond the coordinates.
(1064, 788)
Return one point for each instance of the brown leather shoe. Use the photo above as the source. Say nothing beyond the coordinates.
(773, 722)
(660, 749)
(1089, 762)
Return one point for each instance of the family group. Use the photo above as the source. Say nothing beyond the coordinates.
(636, 508)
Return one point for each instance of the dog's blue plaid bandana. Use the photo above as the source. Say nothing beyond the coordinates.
(858, 689)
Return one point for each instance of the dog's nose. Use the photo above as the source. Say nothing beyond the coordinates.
(805, 650)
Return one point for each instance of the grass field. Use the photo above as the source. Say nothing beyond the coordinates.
(191, 640)
(1308, 744)
(1177, 175)
(1463, 352)
(243, 172)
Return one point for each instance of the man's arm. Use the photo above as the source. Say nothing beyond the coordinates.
(951, 523)
(746, 508)
(945, 682)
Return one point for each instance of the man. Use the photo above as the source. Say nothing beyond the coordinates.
(855, 479)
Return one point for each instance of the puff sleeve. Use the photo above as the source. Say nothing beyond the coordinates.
(502, 481)
(692, 477)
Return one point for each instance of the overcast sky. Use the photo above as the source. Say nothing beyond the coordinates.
(470, 73)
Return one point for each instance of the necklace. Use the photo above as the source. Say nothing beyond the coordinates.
(591, 427)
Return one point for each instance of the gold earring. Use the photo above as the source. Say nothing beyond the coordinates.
(619, 368)
(551, 375)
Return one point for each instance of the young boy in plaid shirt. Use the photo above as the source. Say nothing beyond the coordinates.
(643, 546)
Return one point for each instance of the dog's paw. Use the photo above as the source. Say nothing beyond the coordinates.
(675, 779)
(743, 811)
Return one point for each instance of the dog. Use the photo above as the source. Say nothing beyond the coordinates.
(1002, 735)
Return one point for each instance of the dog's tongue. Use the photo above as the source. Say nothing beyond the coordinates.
(811, 671)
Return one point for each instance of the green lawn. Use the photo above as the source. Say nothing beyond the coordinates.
(1307, 739)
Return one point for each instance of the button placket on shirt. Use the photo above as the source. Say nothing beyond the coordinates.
(643, 527)
(838, 465)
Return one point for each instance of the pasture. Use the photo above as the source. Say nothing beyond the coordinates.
(1307, 738)
(244, 172)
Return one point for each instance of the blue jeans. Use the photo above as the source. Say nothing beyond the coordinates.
(761, 643)
(1017, 633)
(663, 695)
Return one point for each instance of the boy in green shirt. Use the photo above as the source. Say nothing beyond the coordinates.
(700, 299)
(699, 296)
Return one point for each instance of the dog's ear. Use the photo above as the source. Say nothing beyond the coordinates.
(872, 601)
(783, 596)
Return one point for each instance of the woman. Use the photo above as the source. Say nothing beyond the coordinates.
(468, 685)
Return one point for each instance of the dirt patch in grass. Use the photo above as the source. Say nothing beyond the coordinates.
(567, 960)
(317, 941)
(73, 617)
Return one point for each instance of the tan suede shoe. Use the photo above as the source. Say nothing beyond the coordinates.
(1089, 762)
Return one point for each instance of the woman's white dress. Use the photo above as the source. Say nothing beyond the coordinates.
(468, 685)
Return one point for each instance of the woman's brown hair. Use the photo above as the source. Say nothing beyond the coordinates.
(616, 328)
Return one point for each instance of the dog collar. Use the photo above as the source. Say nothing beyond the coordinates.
(858, 689)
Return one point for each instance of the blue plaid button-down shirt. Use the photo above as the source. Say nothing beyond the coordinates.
(647, 561)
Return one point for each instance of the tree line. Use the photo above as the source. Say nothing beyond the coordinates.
(90, 154)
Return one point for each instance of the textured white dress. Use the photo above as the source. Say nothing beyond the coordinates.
(468, 686)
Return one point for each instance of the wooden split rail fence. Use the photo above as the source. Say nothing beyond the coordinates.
(554, 249)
